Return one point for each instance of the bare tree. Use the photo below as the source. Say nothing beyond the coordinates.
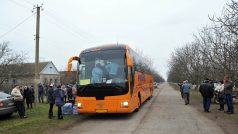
(212, 54)
(7, 58)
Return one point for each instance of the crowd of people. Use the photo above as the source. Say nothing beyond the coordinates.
(224, 89)
(49, 93)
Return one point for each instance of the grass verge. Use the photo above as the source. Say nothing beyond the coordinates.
(36, 123)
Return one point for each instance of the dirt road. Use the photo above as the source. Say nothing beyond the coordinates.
(165, 113)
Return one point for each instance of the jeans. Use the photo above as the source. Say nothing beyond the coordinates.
(229, 102)
(206, 104)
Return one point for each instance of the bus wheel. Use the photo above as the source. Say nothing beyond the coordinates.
(139, 103)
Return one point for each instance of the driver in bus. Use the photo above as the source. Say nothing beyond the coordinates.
(97, 74)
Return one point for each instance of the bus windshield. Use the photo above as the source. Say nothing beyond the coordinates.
(103, 70)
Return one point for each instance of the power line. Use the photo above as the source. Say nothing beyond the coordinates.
(72, 27)
(64, 28)
(16, 26)
(19, 4)
(28, 2)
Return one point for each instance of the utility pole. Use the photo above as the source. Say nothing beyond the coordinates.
(36, 80)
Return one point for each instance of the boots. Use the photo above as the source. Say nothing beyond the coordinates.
(60, 117)
(50, 115)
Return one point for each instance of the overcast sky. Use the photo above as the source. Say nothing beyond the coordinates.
(156, 27)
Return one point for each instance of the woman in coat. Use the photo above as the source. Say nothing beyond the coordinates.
(59, 100)
(18, 98)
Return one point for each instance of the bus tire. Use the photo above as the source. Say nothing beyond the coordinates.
(150, 97)
(139, 104)
(151, 94)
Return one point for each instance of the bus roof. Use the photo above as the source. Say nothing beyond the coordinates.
(106, 47)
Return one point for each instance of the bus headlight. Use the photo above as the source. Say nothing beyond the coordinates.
(125, 104)
(80, 105)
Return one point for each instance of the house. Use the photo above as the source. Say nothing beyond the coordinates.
(24, 74)
(68, 77)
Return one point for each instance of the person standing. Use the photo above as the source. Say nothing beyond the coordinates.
(69, 92)
(51, 100)
(97, 74)
(65, 92)
(185, 89)
(206, 91)
(180, 87)
(220, 89)
(33, 93)
(59, 100)
(74, 92)
(41, 93)
(28, 96)
(228, 87)
(18, 98)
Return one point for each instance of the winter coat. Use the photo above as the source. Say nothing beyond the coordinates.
(59, 97)
(185, 88)
(28, 94)
(50, 94)
(206, 90)
(40, 90)
(16, 93)
(228, 87)
(220, 88)
(69, 90)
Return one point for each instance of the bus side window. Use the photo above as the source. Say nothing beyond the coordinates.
(132, 71)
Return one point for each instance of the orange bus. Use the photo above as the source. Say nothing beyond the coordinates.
(112, 79)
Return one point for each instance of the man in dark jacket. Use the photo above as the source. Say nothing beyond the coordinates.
(41, 93)
(51, 100)
(206, 91)
(28, 96)
(228, 87)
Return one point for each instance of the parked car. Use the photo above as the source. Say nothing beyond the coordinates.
(7, 106)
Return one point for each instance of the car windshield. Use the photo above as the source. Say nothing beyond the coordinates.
(3, 95)
(107, 66)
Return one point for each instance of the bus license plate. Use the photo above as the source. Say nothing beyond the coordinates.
(101, 111)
